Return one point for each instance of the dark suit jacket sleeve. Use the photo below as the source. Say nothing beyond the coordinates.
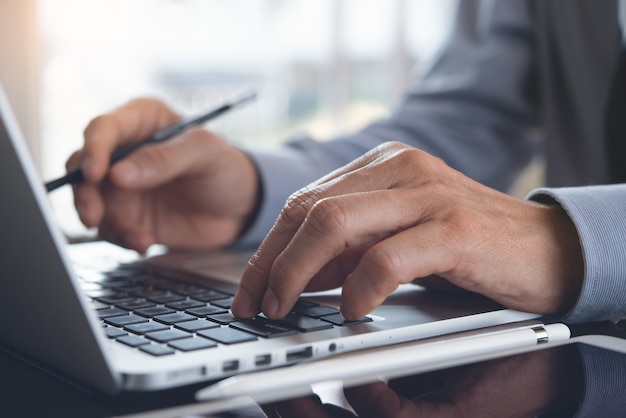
(471, 107)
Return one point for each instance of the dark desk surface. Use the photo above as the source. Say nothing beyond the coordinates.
(552, 382)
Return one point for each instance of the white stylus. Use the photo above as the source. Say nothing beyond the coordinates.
(384, 363)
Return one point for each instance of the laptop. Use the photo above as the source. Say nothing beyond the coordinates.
(115, 321)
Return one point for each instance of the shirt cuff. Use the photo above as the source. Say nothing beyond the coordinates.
(282, 171)
(598, 213)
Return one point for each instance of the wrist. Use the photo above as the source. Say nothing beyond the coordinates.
(563, 243)
(257, 202)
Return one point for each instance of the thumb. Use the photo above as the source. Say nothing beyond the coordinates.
(158, 164)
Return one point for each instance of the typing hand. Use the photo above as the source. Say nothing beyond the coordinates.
(397, 214)
(192, 191)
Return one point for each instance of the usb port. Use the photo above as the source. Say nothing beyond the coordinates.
(230, 366)
(263, 360)
(300, 354)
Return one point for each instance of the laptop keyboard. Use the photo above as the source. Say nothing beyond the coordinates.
(160, 315)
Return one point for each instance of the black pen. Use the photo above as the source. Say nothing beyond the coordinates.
(76, 175)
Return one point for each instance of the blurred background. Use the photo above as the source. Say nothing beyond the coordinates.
(320, 66)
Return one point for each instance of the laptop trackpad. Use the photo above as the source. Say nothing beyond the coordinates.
(227, 266)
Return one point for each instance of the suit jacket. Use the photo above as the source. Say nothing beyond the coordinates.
(577, 43)
(517, 80)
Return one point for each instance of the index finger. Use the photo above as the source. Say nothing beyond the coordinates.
(129, 123)
(253, 289)
(247, 301)
(254, 280)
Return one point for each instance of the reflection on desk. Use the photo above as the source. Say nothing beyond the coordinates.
(577, 380)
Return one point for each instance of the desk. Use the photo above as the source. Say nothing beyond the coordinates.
(557, 381)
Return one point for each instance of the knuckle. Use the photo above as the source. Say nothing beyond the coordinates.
(393, 146)
(409, 157)
(418, 163)
(153, 156)
(328, 217)
(434, 189)
(462, 224)
(258, 265)
(96, 125)
(299, 204)
(387, 266)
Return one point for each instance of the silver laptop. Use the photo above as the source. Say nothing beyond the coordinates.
(115, 321)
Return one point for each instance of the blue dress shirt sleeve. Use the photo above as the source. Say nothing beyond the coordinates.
(599, 215)
(604, 394)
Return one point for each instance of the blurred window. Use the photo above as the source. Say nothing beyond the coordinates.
(321, 66)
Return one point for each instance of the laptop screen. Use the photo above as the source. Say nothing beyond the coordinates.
(43, 315)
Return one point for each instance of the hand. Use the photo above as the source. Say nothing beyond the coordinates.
(191, 191)
(397, 214)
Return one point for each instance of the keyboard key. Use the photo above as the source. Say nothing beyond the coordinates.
(223, 303)
(145, 327)
(113, 332)
(134, 289)
(181, 305)
(185, 289)
(227, 335)
(156, 349)
(109, 312)
(167, 335)
(115, 298)
(223, 319)
(168, 284)
(147, 291)
(191, 344)
(151, 281)
(197, 325)
(303, 323)
(154, 311)
(165, 297)
(113, 284)
(122, 321)
(134, 304)
(338, 319)
(303, 304)
(318, 311)
(98, 305)
(262, 327)
(124, 274)
(133, 340)
(206, 310)
(208, 295)
(172, 318)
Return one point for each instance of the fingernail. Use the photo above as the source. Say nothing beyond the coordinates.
(270, 304)
(347, 314)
